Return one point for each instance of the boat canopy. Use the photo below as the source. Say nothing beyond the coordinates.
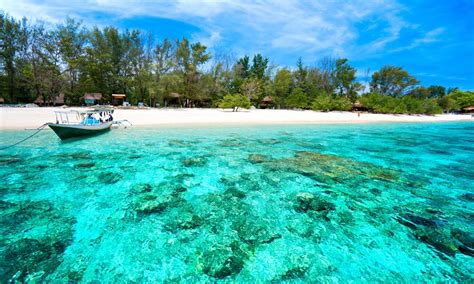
(88, 117)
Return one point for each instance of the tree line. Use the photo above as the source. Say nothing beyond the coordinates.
(39, 61)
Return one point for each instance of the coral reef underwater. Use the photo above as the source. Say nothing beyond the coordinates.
(381, 202)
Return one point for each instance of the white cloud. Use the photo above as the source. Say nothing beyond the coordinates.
(308, 27)
(429, 37)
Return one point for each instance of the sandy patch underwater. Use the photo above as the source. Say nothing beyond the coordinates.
(313, 203)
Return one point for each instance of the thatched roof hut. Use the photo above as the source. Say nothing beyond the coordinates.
(93, 96)
(118, 99)
(358, 106)
(39, 100)
(174, 95)
(468, 109)
(57, 100)
(172, 99)
(266, 101)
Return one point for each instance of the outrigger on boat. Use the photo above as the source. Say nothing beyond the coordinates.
(70, 124)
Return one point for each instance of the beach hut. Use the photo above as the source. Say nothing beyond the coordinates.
(266, 102)
(39, 101)
(2, 100)
(118, 99)
(357, 106)
(172, 99)
(468, 109)
(59, 100)
(92, 98)
(56, 101)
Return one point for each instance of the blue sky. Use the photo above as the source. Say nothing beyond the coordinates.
(433, 40)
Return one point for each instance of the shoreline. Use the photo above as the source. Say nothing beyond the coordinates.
(23, 118)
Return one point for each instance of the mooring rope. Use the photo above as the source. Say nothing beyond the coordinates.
(37, 131)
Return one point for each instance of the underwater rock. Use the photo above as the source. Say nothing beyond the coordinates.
(84, 165)
(31, 259)
(74, 156)
(184, 221)
(23, 256)
(182, 177)
(438, 239)
(413, 221)
(222, 262)
(5, 205)
(430, 232)
(254, 231)
(467, 197)
(330, 169)
(141, 188)
(466, 241)
(234, 192)
(230, 143)
(109, 177)
(149, 203)
(306, 201)
(194, 162)
(375, 191)
(9, 160)
(295, 273)
(257, 158)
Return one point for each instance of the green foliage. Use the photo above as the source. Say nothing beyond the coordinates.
(462, 99)
(234, 101)
(329, 103)
(297, 99)
(447, 103)
(322, 103)
(259, 67)
(408, 104)
(436, 91)
(345, 79)
(392, 81)
(282, 82)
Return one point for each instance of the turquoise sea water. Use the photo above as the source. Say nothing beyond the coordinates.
(331, 203)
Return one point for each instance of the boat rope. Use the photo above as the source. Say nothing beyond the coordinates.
(23, 140)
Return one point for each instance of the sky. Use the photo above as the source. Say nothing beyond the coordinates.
(432, 40)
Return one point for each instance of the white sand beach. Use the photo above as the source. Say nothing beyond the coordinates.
(21, 118)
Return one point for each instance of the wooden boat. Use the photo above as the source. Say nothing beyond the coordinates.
(71, 124)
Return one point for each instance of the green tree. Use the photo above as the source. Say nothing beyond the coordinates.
(297, 99)
(189, 58)
(322, 103)
(282, 85)
(259, 67)
(71, 42)
(234, 101)
(392, 81)
(447, 103)
(436, 91)
(325, 102)
(345, 76)
(300, 75)
(163, 61)
(462, 98)
(16, 72)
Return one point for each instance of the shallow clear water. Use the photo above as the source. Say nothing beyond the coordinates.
(378, 202)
